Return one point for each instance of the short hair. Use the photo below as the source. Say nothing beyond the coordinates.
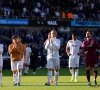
(74, 34)
(13, 37)
(89, 31)
(54, 31)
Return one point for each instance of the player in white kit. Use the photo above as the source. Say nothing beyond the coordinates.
(1, 63)
(28, 54)
(73, 51)
(52, 46)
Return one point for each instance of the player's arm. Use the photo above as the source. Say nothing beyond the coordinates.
(19, 48)
(11, 49)
(67, 51)
(1, 50)
(29, 53)
(82, 51)
(56, 44)
(47, 44)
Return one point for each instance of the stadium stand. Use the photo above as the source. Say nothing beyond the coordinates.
(44, 9)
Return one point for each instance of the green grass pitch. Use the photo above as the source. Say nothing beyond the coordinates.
(36, 82)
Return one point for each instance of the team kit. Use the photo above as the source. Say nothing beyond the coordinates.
(20, 57)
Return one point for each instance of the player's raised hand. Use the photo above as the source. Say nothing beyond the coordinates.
(69, 54)
(51, 40)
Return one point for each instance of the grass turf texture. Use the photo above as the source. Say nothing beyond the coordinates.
(36, 82)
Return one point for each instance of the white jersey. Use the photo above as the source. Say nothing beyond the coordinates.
(1, 58)
(28, 51)
(1, 51)
(53, 49)
(74, 47)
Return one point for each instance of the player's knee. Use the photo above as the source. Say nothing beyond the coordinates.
(14, 72)
(56, 70)
(95, 69)
(49, 69)
(70, 67)
(87, 68)
(19, 67)
(76, 67)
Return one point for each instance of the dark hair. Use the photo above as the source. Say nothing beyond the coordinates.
(89, 31)
(13, 37)
(74, 34)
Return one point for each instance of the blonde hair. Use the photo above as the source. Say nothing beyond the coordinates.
(54, 31)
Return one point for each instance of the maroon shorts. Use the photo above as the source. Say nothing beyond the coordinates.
(91, 62)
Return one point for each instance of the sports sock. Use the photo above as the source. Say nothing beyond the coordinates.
(1, 77)
(19, 76)
(72, 72)
(15, 77)
(88, 75)
(95, 74)
(76, 73)
(49, 75)
(56, 76)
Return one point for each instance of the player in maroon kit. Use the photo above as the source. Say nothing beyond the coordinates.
(90, 46)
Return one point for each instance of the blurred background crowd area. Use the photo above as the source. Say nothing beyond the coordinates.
(39, 36)
(46, 9)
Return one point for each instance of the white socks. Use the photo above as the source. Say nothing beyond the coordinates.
(0, 78)
(76, 74)
(15, 77)
(56, 76)
(49, 76)
(72, 72)
(19, 76)
(26, 70)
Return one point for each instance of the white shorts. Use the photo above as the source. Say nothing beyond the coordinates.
(16, 65)
(22, 63)
(1, 64)
(73, 62)
(53, 63)
(28, 61)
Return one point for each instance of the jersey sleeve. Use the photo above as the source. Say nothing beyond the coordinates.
(68, 44)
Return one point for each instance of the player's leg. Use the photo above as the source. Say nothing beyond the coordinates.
(34, 62)
(88, 75)
(95, 73)
(22, 64)
(56, 63)
(49, 67)
(1, 64)
(76, 68)
(0, 76)
(27, 67)
(71, 65)
(88, 65)
(14, 70)
(19, 68)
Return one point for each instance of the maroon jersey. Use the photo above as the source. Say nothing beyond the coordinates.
(90, 52)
